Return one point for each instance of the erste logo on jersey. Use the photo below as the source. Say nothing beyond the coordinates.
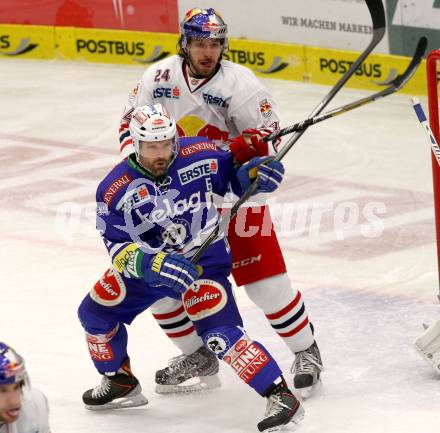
(215, 100)
(133, 198)
(197, 170)
(196, 148)
(166, 92)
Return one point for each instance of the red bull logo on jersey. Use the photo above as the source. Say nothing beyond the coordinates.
(265, 108)
(204, 298)
(191, 126)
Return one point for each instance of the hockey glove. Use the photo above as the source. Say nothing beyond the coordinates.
(250, 144)
(172, 270)
(267, 172)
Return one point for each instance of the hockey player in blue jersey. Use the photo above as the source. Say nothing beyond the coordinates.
(154, 210)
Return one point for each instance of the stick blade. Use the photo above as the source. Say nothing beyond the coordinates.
(403, 78)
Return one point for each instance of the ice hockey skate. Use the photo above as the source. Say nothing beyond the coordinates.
(189, 373)
(428, 345)
(120, 390)
(283, 411)
(306, 370)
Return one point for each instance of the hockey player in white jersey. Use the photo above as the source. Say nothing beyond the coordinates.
(213, 97)
(22, 409)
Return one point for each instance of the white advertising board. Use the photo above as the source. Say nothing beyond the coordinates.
(341, 24)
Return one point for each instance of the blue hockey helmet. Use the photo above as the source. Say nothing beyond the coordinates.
(203, 24)
(12, 368)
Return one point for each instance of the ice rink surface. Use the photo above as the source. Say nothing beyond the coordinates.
(355, 218)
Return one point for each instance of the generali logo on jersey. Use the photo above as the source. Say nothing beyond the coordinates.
(119, 183)
(204, 298)
(196, 148)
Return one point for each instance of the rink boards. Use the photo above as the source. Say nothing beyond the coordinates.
(267, 59)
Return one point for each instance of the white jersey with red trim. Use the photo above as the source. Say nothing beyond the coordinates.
(34, 415)
(220, 107)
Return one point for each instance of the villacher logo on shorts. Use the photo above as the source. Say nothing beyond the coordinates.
(109, 290)
(204, 298)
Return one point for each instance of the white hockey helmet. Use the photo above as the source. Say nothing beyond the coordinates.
(152, 123)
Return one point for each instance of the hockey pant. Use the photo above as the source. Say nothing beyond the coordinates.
(210, 305)
(259, 265)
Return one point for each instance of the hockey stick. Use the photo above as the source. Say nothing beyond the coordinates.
(424, 122)
(394, 86)
(377, 14)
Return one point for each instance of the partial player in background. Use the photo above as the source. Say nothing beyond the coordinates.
(428, 345)
(225, 101)
(154, 210)
(22, 409)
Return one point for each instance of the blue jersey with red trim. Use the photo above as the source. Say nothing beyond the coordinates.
(139, 215)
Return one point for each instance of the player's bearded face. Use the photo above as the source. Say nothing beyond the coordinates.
(155, 156)
(204, 55)
(10, 402)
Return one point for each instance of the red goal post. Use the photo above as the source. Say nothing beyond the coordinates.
(433, 78)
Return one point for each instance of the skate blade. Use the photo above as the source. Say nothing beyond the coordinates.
(195, 384)
(134, 399)
(292, 426)
(310, 391)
